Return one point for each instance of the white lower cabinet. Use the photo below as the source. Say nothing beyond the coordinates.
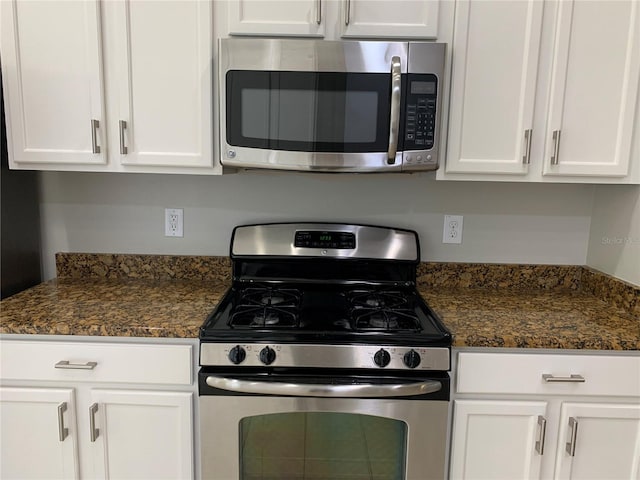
(539, 416)
(496, 439)
(38, 433)
(141, 434)
(599, 440)
(93, 413)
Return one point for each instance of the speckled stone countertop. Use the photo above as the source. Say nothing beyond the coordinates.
(561, 307)
(112, 307)
(533, 319)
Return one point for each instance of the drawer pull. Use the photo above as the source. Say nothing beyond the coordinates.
(547, 377)
(65, 365)
(543, 431)
(62, 431)
(93, 431)
(571, 444)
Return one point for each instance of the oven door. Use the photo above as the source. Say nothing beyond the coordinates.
(311, 105)
(323, 427)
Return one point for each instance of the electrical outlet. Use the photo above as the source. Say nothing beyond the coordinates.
(173, 222)
(452, 231)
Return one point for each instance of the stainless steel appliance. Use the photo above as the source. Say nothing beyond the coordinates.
(322, 361)
(318, 105)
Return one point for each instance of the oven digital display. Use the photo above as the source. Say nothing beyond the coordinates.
(320, 239)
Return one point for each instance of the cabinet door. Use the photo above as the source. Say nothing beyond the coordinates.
(52, 74)
(599, 440)
(39, 436)
(594, 88)
(277, 17)
(390, 18)
(142, 434)
(495, 60)
(163, 70)
(497, 439)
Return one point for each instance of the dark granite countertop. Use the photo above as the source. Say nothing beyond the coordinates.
(533, 319)
(120, 307)
(520, 306)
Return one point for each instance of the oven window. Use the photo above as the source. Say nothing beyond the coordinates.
(321, 445)
(308, 111)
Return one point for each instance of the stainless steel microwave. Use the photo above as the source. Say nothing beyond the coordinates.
(330, 106)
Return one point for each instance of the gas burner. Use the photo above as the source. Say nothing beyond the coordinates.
(387, 299)
(271, 296)
(385, 319)
(249, 316)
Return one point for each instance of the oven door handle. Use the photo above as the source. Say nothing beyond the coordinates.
(324, 390)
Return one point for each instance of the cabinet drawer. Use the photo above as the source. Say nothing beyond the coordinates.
(523, 373)
(137, 363)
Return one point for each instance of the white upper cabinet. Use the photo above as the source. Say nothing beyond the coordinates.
(594, 87)
(276, 17)
(109, 85)
(495, 62)
(163, 82)
(390, 19)
(544, 91)
(333, 19)
(52, 72)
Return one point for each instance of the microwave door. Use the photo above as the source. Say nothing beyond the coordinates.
(334, 115)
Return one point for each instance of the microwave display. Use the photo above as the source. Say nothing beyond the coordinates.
(423, 88)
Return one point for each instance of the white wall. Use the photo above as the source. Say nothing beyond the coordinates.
(614, 240)
(124, 213)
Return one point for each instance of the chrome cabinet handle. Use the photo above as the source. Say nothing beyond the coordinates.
(322, 390)
(556, 148)
(542, 422)
(547, 377)
(65, 365)
(394, 118)
(95, 124)
(123, 148)
(318, 12)
(526, 158)
(93, 431)
(62, 431)
(571, 444)
(347, 12)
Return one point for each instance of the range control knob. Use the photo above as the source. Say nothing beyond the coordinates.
(267, 355)
(382, 358)
(411, 359)
(237, 355)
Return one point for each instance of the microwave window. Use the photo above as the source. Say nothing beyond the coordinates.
(309, 115)
(308, 111)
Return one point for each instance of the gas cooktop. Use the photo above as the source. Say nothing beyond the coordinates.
(324, 296)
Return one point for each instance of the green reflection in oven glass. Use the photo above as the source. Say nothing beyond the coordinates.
(322, 446)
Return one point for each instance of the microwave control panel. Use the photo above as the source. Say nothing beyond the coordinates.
(420, 115)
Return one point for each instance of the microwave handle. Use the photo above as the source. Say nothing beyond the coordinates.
(394, 123)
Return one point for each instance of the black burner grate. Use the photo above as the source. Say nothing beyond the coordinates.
(266, 307)
(382, 310)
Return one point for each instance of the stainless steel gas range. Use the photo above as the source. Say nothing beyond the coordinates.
(322, 361)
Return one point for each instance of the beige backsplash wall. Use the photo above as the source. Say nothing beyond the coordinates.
(124, 213)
